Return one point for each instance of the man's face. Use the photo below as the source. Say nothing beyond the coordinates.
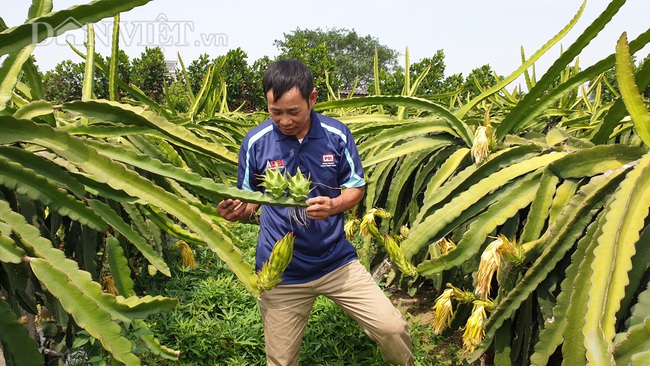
(291, 113)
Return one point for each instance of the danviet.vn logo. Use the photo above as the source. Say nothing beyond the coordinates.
(159, 32)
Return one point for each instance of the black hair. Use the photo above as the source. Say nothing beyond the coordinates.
(284, 75)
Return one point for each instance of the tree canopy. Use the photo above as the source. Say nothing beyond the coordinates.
(352, 55)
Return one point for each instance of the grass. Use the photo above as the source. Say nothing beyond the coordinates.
(217, 322)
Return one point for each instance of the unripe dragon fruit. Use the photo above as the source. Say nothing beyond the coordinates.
(299, 186)
(275, 183)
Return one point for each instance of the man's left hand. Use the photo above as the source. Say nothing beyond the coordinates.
(321, 207)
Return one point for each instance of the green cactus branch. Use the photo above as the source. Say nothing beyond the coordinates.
(118, 176)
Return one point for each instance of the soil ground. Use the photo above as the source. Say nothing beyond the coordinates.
(420, 308)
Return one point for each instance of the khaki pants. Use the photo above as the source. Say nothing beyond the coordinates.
(285, 311)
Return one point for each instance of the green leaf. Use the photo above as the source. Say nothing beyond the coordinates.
(569, 226)
(112, 70)
(141, 307)
(524, 66)
(27, 182)
(571, 302)
(152, 343)
(617, 112)
(595, 160)
(76, 280)
(39, 7)
(10, 71)
(119, 177)
(625, 218)
(411, 146)
(113, 219)
(89, 65)
(632, 98)
(9, 251)
(398, 187)
(207, 186)
(520, 194)
(405, 132)
(638, 282)
(640, 310)
(633, 350)
(377, 176)
(33, 79)
(43, 168)
(17, 344)
(422, 234)
(119, 266)
(123, 113)
(531, 105)
(459, 126)
(576, 288)
(13, 65)
(436, 195)
(539, 209)
(34, 109)
(86, 312)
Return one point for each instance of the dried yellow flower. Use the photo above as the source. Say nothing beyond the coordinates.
(489, 265)
(187, 255)
(443, 311)
(474, 331)
(368, 227)
(109, 284)
(446, 245)
(483, 138)
(350, 228)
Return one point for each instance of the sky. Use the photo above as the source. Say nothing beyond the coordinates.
(471, 33)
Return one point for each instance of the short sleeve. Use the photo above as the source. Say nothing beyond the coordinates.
(351, 174)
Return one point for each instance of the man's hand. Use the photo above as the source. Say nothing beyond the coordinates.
(236, 210)
(322, 207)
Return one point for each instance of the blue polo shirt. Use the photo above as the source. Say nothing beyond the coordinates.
(327, 153)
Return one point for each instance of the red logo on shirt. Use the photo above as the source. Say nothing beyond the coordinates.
(328, 160)
(273, 164)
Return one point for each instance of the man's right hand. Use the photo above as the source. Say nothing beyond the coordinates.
(232, 209)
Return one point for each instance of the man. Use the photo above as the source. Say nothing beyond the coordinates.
(324, 261)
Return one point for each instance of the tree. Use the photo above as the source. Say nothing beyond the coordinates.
(351, 54)
(176, 96)
(258, 99)
(123, 73)
(238, 77)
(196, 72)
(453, 84)
(64, 83)
(434, 81)
(150, 73)
(321, 63)
(392, 83)
(478, 80)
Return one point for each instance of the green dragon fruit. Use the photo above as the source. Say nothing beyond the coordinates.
(299, 186)
(275, 183)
